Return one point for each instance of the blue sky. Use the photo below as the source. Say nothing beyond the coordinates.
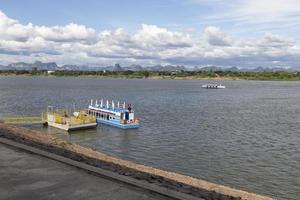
(100, 14)
(221, 29)
(173, 14)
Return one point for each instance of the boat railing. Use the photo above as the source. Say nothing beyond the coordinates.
(63, 118)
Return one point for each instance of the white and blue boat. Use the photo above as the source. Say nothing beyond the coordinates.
(213, 86)
(118, 115)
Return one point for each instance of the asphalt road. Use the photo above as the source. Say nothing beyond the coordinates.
(28, 176)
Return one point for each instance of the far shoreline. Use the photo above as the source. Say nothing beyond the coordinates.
(153, 77)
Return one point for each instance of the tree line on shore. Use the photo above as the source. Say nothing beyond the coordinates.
(278, 75)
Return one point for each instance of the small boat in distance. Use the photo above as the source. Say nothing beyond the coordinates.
(115, 115)
(213, 86)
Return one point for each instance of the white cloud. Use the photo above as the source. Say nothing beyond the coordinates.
(78, 44)
(152, 36)
(69, 32)
(216, 37)
(12, 29)
(258, 10)
(273, 41)
(252, 16)
(267, 8)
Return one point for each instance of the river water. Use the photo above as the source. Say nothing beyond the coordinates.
(246, 136)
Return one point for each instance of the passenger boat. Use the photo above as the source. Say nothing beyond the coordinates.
(63, 120)
(118, 115)
(213, 86)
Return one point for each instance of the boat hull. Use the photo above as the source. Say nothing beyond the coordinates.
(117, 124)
(68, 127)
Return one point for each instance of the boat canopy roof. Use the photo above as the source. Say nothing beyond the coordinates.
(213, 84)
(109, 109)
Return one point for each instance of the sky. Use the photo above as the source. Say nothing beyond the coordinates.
(241, 33)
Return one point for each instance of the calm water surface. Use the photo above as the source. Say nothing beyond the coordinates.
(246, 136)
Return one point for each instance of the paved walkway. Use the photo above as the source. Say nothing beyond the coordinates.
(28, 176)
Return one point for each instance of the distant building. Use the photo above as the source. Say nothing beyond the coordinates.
(50, 72)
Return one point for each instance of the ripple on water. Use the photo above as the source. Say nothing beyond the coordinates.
(246, 136)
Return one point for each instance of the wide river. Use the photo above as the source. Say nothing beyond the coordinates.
(246, 136)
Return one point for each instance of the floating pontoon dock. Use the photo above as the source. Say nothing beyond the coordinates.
(62, 120)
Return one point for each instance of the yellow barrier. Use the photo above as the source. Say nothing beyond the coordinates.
(80, 119)
(21, 119)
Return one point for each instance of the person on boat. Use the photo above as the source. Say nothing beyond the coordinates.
(65, 114)
(129, 107)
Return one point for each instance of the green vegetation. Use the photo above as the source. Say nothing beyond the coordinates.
(33, 72)
(280, 75)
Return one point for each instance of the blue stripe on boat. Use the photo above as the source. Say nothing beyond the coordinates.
(117, 124)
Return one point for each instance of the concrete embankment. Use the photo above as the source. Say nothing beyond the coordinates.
(147, 177)
(28, 176)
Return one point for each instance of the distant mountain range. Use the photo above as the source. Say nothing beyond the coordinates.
(52, 66)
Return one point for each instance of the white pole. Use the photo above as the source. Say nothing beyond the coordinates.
(124, 105)
(113, 104)
(101, 103)
(118, 104)
(107, 104)
(96, 103)
(91, 102)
